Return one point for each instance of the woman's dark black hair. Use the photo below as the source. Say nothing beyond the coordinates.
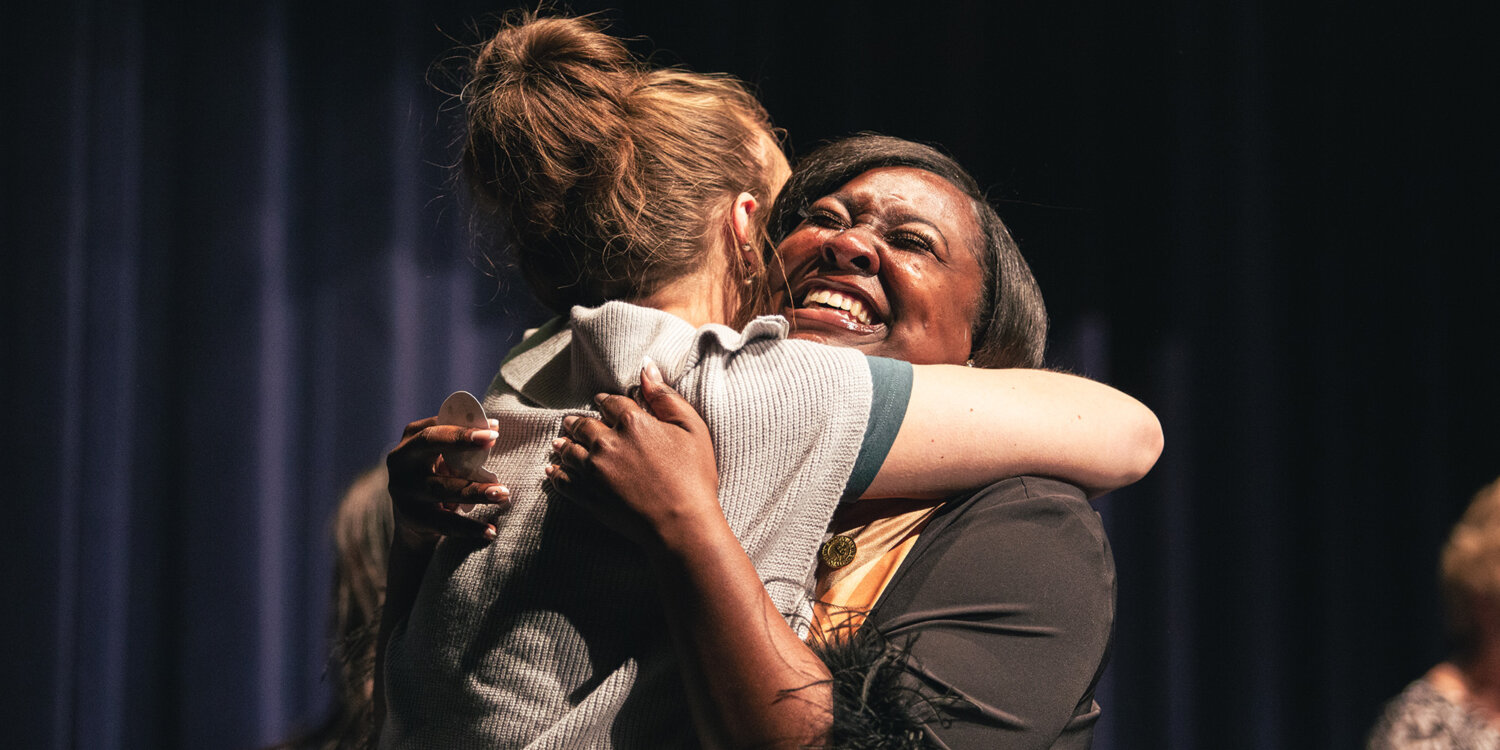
(1010, 323)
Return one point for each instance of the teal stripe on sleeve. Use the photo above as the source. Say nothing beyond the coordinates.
(891, 379)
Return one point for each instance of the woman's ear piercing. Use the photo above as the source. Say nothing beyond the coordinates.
(750, 273)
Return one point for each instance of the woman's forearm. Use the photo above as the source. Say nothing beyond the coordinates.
(751, 681)
(405, 567)
(967, 428)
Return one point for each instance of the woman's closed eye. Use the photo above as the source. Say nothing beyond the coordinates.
(913, 241)
(823, 217)
(903, 238)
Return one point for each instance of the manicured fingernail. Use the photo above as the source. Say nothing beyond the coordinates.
(599, 397)
(494, 424)
(490, 533)
(650, 371)
(557, 443)
(549, 469)
(483, 436)
(495, 493)
(569, 421)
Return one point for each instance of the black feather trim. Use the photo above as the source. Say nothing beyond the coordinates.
(877, 704)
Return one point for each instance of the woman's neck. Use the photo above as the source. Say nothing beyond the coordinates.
(700, 297)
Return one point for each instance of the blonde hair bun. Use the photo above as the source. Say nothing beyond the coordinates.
(605, 177)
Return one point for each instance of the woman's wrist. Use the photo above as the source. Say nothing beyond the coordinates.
(682, 532)
(410, 539)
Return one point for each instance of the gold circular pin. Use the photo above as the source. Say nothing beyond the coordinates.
(838, 551)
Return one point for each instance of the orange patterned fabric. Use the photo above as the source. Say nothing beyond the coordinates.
(884, 531)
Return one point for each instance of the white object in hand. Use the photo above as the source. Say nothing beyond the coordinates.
(463, 410)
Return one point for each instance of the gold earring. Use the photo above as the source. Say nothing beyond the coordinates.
(750, 273)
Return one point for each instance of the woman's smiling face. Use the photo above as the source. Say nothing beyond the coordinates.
(886, 264)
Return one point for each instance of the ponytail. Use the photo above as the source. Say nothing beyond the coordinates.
(608, 178)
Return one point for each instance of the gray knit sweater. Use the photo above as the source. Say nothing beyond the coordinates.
(552, 637)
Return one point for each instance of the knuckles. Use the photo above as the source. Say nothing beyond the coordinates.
(604, 443)
(634, 421)
(412, 428)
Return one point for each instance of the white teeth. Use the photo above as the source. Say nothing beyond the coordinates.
(838, 301)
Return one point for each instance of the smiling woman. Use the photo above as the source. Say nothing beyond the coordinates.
(934, 617)
(934, 252)
(886, 264)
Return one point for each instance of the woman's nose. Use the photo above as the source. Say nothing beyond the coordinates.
(853, 249)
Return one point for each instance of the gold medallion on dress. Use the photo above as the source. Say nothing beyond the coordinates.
(838, 551)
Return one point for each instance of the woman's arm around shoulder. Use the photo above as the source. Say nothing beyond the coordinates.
(968, 427)
(423, 498)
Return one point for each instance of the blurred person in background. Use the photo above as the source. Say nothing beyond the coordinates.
(1457, 703)
(362, 527)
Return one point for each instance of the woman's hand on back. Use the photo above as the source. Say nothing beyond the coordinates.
(425, 499)
(648, 472)
(426, 496)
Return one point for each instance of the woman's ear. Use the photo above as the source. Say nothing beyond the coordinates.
(741, 223)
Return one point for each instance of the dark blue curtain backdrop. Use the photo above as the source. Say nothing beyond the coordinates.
(233, 270)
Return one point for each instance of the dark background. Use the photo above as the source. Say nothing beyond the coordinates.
(233, 270)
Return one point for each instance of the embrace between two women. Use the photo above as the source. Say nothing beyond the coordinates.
(645, 573)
